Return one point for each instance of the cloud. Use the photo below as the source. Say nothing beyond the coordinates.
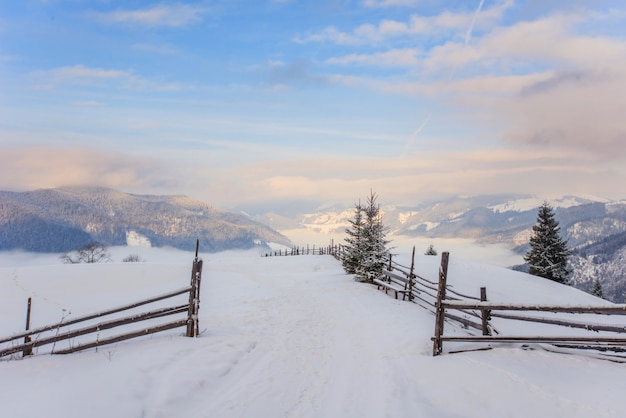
(416, 25)
(162, 49)
(572, 110)
(160, 15)
(9, 58)
(27, 168)
(77, 72)
(431, 174)
(558, 80)
(571, 95)
(390, 3)
(88, 103)
(221, 177)
(553, 85)
(298, 72)
(93, 76)
(392, 58)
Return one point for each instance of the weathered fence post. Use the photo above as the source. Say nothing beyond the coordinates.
(484, 313)
(411, 275)
(193, 326)
(439, 308)
(28, 351)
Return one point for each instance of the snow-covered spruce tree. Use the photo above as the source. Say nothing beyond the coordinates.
(548, 254)
(431, 250)
(374, 253)
(597, 289)
(353, 248)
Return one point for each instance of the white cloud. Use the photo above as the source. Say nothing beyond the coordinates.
(425, 175)
(89, 103)
(163, 49)
(416, 25)
(91, 76)
(80, 72)
(553, 85)
(9, 58)
(390, 3)
(393, 58)
(27, 168)
(165, 15)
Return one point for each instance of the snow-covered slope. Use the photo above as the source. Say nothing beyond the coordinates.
(289, 337)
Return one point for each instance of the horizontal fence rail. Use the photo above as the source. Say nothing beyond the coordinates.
(485, 310)
(475, 313)
(33, 338)
(489, 306)
(96, 315)
(332, 249)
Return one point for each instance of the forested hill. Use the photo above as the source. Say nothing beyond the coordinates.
(64, 219)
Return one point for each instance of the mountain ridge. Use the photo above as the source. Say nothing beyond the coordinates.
(65, 218)
(592, 225)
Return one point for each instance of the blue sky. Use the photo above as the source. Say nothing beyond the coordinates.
(245, 103)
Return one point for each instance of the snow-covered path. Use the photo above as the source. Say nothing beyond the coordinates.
(310, 343)
(293, 337)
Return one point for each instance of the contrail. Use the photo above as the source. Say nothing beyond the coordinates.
(468, 35)
(468, 38)
(409, 144)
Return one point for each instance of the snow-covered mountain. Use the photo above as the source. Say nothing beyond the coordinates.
(593, 226)
(64, 219)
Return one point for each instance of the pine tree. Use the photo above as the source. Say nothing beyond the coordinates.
(353, 249)
(597, 289)
(548, 254)
(431, 250)
(374, 253)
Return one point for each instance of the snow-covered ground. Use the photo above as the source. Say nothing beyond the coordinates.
(288, 337)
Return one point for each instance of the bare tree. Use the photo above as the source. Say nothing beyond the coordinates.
(94, 252)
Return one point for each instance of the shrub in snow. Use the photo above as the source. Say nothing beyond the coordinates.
(132, 258)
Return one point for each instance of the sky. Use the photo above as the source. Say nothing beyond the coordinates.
(250, 104)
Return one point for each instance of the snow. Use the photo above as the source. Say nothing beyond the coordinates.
(135, 239)
(428, 225)
(290, 337)
(532, 203)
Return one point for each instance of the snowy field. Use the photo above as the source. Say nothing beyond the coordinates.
(288, 337)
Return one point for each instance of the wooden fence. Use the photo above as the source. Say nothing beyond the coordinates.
(423, 291)
(332, 249)
(485, 310)
(26, 341)
(475, 312)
